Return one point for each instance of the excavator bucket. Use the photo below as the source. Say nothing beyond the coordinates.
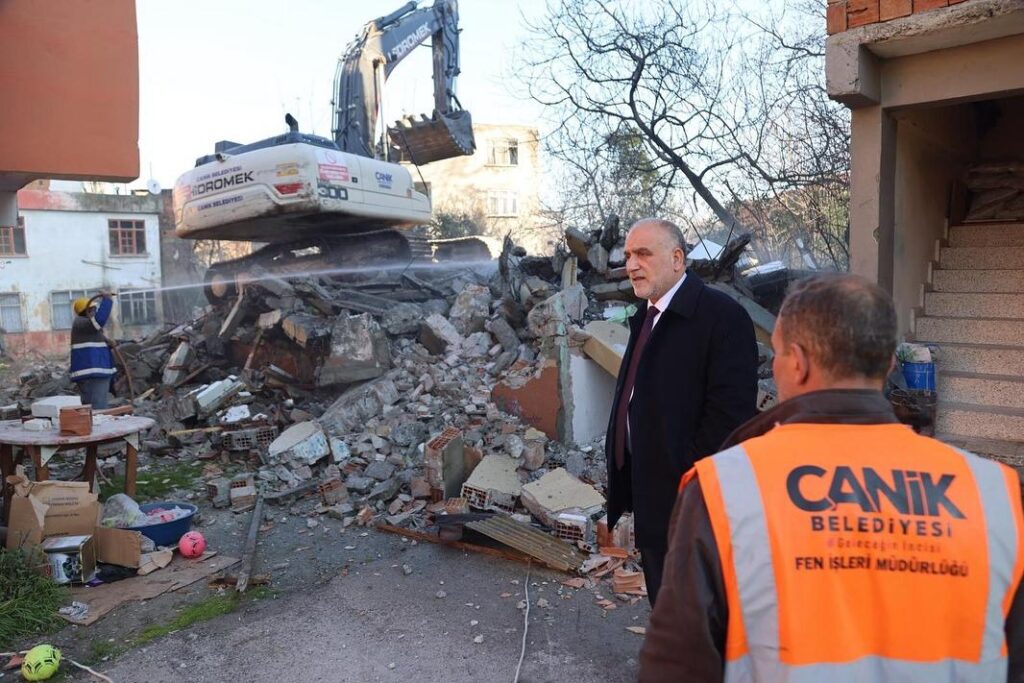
(431, 139)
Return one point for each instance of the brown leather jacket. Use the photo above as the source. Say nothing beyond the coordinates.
(685, 641)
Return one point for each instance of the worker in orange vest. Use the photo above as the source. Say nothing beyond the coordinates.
(830, 542)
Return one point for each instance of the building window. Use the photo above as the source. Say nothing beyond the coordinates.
(12, 239)
(502, 203)
(61, 313)
(504, 152)
(127, 238)
(10, 313)
(137, 308)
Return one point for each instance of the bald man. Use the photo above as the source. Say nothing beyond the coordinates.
(687, 380)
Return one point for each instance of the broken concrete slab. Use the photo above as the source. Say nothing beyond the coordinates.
(470, 310)
(503, 332)
(552, 316)
(476, 345)
(302, 443)
(270, 319)
(176, 368)
(557, 492)
(607, 344)
(403, 318)
(494, 484)
(213, 396)
(597, 255)
(578, 243)
(614, 291)
(534, 451)
(356, 406)
(438, 335)
(359, 351)
(50, 406)
(385, 490)
(357, 483)
(379, 470)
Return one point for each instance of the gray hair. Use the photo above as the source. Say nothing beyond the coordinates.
(843, 322)
(670, 230)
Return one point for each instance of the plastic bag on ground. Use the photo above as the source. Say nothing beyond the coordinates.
(120, 511)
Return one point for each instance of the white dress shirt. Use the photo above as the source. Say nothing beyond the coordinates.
(661, 304)
(665, 300)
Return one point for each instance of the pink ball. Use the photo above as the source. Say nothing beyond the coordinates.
(192, 544)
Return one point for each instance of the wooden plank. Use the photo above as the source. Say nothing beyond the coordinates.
(249, 554)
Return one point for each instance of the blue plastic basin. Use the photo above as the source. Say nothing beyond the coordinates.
(919, 375)
(167, 533)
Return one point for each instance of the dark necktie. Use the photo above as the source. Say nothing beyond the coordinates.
(622, 410)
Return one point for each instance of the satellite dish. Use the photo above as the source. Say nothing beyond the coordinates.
(153, 186)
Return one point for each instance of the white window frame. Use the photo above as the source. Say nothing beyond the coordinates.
(72, 294)
(11, 301)
(502, 203)
(129, 301)
(503, 152)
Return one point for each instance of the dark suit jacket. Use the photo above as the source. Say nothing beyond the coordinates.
(696, 383)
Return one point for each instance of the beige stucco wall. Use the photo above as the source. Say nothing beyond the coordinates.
(933, 147)
(461, 185)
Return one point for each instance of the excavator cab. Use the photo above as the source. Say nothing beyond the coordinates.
(432, 139)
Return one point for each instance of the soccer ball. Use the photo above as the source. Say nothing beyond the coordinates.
(192, 544)
(40, 663)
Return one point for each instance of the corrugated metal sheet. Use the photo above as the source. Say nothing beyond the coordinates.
(552, 551)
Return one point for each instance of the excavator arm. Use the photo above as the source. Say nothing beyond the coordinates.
(366, 65)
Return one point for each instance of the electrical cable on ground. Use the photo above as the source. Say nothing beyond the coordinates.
(526, 624)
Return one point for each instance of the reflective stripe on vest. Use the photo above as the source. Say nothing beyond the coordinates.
(831, 622)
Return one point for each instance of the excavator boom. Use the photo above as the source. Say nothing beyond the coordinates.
(367, 63)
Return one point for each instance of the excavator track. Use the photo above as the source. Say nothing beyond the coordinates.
(338, 256)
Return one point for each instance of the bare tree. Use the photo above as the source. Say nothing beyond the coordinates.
(730, 106)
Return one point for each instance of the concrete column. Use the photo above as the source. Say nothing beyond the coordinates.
(872, 194)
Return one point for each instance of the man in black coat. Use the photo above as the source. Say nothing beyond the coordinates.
(688, 379)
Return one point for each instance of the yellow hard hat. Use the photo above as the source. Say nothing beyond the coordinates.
(81, 303)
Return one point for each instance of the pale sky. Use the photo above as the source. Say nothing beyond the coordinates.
(230, 69)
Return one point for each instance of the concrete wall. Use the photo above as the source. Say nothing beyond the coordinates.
(67, 244)
(70, 84)
(461, 185)
(933, 148)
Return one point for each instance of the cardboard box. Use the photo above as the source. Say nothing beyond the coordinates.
(72, 559)
(47, 509)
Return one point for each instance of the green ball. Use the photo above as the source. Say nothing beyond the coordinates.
(40, 663)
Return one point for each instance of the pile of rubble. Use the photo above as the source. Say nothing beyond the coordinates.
(416, 399)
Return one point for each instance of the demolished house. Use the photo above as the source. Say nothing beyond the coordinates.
(429, 401)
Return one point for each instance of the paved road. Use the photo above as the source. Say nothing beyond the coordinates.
(378, 624)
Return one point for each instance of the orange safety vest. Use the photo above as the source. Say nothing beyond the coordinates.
(863, 553)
